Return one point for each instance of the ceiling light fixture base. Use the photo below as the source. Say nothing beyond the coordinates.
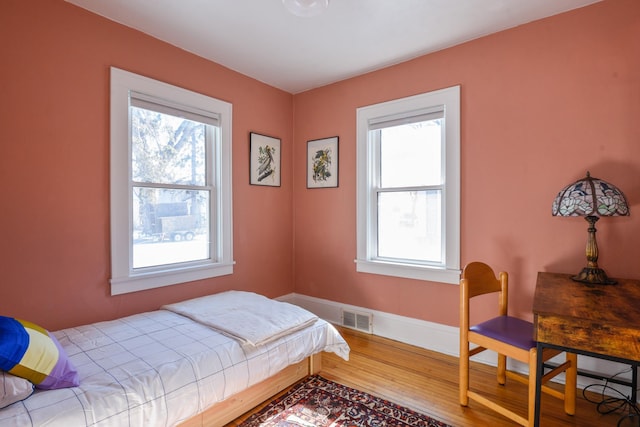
(306, 8)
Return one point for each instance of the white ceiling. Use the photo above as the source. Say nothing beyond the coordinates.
(260, 39)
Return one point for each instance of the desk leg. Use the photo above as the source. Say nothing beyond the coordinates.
(634, 383)
(539, 374)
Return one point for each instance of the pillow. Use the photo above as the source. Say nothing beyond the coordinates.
(31, 352)
(13, 389)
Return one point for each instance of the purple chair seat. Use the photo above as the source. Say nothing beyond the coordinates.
(511, 330)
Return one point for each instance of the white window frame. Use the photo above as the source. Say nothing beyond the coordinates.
(367, 158)
(123, 277)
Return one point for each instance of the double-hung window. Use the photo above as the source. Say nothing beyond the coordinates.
(170, 184)
(408, 185)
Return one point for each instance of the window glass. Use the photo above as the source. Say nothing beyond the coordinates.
(170, 226)
(410, 226)
(409, 197)
(167, 149)
(170, 223)
(410, 154)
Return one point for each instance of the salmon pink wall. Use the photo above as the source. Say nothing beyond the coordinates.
(54, 165)
(541, 104)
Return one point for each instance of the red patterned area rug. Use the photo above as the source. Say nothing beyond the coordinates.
(317, 402)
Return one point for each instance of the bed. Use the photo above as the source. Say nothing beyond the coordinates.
(179, 365)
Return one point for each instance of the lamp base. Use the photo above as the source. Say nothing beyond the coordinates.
(595, 276)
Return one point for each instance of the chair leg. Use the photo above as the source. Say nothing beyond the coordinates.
(464, 373)
(571, 383)
(502, 369)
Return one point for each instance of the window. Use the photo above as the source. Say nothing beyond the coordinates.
(170, 184)
(408, 185)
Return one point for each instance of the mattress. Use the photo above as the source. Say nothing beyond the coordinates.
(159, 369)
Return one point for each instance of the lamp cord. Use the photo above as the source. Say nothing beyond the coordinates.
(608, 404)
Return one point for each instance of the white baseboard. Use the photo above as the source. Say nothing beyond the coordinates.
(444, 339)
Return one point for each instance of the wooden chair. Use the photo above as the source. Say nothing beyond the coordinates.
(509, 337)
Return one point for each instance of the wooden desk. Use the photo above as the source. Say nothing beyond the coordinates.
(595, 320)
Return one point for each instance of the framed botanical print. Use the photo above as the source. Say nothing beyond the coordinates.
(264, 163)
(322, 163)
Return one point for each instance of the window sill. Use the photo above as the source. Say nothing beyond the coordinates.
(432, 274)
(141, 282)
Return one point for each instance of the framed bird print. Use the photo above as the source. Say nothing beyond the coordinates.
(264, 161)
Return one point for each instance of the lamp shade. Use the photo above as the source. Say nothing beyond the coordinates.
(590, 197)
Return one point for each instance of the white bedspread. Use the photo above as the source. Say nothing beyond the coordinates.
(158, 369)
(251, 318)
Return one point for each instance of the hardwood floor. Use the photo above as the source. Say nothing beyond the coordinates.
(427, 382)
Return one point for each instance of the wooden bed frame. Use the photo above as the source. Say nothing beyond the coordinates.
(228, 410)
